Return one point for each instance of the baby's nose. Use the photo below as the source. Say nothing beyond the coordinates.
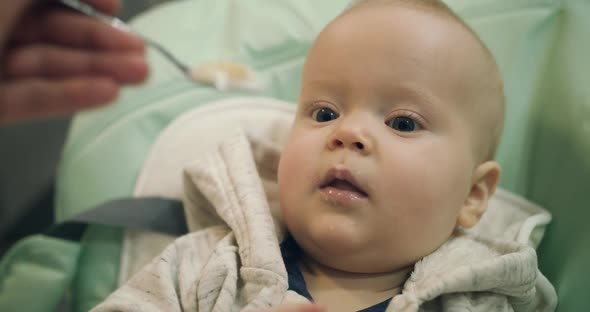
(352, 138)
(340, 143)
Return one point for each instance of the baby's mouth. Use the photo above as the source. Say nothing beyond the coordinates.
(339, 185)
(344, 185)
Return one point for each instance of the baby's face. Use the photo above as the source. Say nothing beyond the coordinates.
(380, 159)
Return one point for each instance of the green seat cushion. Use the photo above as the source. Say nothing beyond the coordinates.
(36, 272)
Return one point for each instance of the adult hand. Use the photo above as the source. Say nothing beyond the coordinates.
(55, 61)
(303, 307)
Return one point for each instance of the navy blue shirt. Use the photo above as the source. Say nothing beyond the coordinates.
(291, 255)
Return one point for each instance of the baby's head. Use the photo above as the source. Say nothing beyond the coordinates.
(399, 116)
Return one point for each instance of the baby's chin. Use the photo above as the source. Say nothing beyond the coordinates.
(332, 241)
(336, 230)
(346, 259)
(345, 244)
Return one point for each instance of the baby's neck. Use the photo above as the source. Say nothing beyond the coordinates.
(346, 291)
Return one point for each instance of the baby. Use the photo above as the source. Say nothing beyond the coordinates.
(390, 158)
(392, 147)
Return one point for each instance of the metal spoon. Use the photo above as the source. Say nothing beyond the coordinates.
(223, 75)
(119, 24)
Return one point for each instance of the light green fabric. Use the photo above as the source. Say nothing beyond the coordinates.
(36, 272)
(540, 45)
(98, 268)
(559, 174)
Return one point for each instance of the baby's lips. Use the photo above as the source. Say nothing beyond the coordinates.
(343, 174)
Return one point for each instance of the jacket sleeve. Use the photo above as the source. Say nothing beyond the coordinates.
(475, 302)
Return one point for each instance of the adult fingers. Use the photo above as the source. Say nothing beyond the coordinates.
(57, 62)
(10, 12)
(75, 30)
(106, 6)
(43, 98)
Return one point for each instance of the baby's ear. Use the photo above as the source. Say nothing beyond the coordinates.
(484, 183)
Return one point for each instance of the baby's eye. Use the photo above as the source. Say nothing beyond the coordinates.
(403, 124)
(324, 114)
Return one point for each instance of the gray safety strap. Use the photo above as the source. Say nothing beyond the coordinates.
(156, 214)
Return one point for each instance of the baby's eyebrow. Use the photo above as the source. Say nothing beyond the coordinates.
(427, 104)
(322, 84)
(334, 89)
(415, 96)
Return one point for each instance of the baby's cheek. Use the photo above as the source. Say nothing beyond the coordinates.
(446, 189)
(291, 176)
(300, 150)
(422, 185)
(292, 168)
(289, 163)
